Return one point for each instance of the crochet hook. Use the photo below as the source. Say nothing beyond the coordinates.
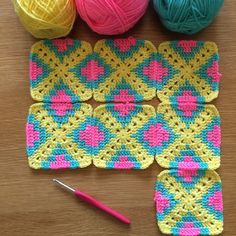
(92, 201)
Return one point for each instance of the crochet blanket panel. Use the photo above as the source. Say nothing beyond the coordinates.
(190, 70)
(131, 70)
(124, 126)
(60, 70)
(189, 202)
(123, 70)
(188, 136)
(58, 135)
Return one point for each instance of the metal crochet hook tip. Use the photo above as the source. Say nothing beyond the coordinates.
(63, 185)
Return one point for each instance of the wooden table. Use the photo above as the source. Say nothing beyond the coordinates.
(30, 204)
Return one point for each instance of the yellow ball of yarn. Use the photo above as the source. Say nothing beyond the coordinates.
(46, 18)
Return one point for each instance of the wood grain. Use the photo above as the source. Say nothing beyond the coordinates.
(31, 205)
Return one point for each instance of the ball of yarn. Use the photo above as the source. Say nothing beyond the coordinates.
(111, 17)
(187, 16)
(46, 18)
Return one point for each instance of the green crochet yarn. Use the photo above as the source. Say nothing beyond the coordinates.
(187, 16)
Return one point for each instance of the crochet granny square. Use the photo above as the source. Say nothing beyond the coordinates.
(188, 136)
(189, 202)
(60, 70)
(123, 129)
(188, 71)
(58, 135)
(129, 73)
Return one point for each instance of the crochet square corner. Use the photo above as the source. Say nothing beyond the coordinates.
(60, 70)
(189, 70)
(189, 136)
(129, 70)
(123, 129)
(58, 135)
(189, 202)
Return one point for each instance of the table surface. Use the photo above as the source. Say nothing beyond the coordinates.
(29, 202)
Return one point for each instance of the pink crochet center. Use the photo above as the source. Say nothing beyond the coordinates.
(61, 96)
(187, 103)
(187, 46)
(189, 230)
(123, 109)
(61, 108)
(155, 71)
(162, 202)
(92, 70)
(123, 163)
(214, 73)
(189, 164)
(186, 173)
(125, 44)
(60, 162)
(124, 96)
(91, 136)
(62, 44)
(32, 135)
(35, 70)
(216, 201)
(156, 135)
(214, 136)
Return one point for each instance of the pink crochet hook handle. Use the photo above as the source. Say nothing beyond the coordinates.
(94, 202)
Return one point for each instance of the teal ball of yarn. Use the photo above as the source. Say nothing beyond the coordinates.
(187, 16)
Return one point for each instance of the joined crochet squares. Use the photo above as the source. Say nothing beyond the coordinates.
(60, 70)
(189, 203)
(189, 136)
(124, 127)
(131, 70)
(59, 135)
(189, 70)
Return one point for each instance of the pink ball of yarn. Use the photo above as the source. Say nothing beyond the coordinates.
(111, 17)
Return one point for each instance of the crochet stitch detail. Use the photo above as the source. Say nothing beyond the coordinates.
(124, 127)
(189, 69)
(131, 69)
(58, 135)
(60, 70)
(189, 202)
(189, 136)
